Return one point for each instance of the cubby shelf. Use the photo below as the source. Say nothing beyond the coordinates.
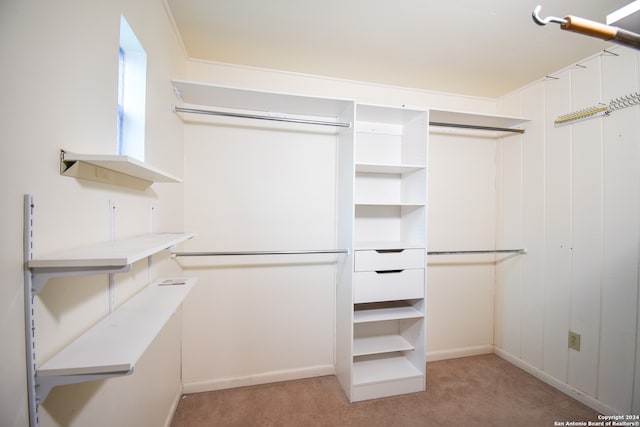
(382, 314)
(382, 370)
(387, 168)
(380, 344)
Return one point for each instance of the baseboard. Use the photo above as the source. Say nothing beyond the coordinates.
(573, 392)
(262, 378)
(174, 407)
(454, 353)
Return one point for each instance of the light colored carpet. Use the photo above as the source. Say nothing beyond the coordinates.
(473, 391)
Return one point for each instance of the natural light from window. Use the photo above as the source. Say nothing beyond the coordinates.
(132, 90)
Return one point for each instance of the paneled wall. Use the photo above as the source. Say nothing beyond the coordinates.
(571, 196)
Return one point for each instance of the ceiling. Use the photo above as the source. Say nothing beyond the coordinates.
(482, 48)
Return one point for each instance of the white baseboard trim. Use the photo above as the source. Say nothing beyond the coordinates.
(454, 353)
(262, 378)
(573, 392)
(174, 407)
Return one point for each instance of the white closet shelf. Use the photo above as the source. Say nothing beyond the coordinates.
(252, 100)
(387, 168)
(385, 369)
(119, 253)
(380, 344)
(113, 169)
(115, 344)
(398, 204)
(373, 245)
(390, 313)
(473, 119)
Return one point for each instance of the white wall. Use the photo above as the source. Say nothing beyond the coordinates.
(253, 186)
(570, 195)
(461, 200)
(60, 68)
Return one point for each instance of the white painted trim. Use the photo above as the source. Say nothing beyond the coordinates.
(263, 378)
(570, 391)
(454, 353)
(174, 407)
(342, 81)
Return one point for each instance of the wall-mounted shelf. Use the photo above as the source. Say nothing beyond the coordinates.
(105, 257)
(114, 345)
(112, 169)
(459, 119)
(253, 100)
(118, 253)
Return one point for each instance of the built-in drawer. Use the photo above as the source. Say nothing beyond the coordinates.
(394, 259)
(388, 285)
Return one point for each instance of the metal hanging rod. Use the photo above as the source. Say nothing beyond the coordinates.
(488, 251)
(242, 253)
(259, 117)
(491, 128)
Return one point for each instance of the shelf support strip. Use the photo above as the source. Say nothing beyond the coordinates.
(29, 325)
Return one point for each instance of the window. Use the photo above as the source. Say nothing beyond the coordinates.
(132, 89)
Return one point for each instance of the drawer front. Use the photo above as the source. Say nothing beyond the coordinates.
(372, 260)
(371, 286)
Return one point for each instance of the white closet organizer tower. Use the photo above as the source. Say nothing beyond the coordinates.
(380, 348)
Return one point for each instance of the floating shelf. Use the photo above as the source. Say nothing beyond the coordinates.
(115, 344)
(112, 169)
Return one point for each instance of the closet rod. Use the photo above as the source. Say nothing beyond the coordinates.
(488, 251)
(234, 253)
(457, 125)
(590, 28)
(259, 117)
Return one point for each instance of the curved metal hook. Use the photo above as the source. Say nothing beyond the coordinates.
(545, 21)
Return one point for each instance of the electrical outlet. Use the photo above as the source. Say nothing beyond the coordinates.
(574, 340)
